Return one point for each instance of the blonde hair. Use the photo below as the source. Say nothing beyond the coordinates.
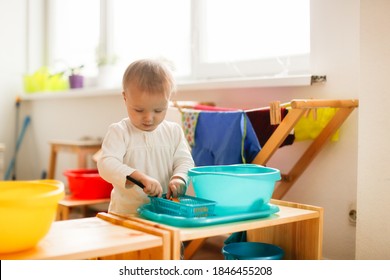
(149, 76)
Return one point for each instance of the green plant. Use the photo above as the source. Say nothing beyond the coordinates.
(76, 70)
(106, 60)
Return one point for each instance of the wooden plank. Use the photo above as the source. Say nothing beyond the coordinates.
(164, 234)
(322, 103)
(175, 233)
(87, 238)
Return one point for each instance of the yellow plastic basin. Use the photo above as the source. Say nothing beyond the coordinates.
(27, 211)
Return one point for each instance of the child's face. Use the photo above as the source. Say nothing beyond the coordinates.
(145, 110)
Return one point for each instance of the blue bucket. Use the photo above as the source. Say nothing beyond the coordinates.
(252, 251)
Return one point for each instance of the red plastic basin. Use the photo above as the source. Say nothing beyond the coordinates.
(87, 184)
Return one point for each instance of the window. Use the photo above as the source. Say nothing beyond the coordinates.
(153, 28)
(253, 38)
(202, 39)
(73, 34)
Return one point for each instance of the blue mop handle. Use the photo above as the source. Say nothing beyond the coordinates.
(26, 122)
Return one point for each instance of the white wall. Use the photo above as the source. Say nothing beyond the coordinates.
(12, 65)
(374, 152)
(330, 181)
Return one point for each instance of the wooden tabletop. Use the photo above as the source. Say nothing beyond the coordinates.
(77, 143)
(86, 238)
(69, 201)
(284, 216)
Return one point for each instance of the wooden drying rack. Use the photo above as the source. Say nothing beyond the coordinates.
(299, 108)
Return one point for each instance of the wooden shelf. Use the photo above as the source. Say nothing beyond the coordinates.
(297, 228)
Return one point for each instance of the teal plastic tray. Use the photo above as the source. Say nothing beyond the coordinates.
(146, 211)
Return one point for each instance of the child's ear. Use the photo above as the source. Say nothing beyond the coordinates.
(124, 95)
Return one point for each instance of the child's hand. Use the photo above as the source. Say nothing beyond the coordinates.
(152, 187)
(176, 188)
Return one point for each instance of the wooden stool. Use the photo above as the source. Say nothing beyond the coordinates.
(82, 148)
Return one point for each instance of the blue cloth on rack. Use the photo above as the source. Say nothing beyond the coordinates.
(224, 138)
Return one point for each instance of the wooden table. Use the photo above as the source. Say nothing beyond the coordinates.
(95, 238)
(297, 228)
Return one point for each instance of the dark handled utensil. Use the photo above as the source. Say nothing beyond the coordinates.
(135, 181)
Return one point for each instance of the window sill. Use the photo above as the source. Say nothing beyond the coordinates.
(302, 80)
(251, 82)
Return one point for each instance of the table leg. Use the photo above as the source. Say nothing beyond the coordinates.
(52, 162)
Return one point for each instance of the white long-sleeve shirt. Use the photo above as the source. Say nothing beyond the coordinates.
(161, 154)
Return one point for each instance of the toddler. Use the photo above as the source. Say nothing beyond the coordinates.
(144, 145)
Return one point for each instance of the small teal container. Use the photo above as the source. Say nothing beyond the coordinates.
(188, 206)
(252, 251)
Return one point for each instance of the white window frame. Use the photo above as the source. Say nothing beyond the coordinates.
(205, 74)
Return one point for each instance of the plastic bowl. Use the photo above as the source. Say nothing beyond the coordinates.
(239, 188)
(27, 210)
(87, 184)
(252, 251)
